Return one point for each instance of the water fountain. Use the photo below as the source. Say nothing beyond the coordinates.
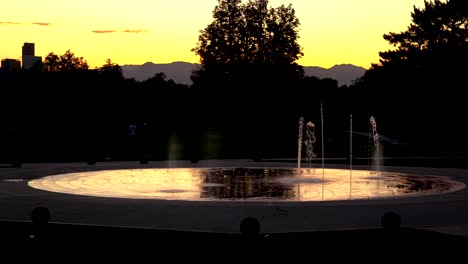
(350, 155)
(299, 142)
(323, 139)
(376, 148)
(310, 132)
(309, 142)
(247, 182)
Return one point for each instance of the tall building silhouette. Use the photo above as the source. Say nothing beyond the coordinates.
(28, 55)
(28, 49)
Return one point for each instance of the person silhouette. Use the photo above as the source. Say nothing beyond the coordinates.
(132, 130)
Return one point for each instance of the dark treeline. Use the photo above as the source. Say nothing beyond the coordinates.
(418, 89)
(248, 96)
(70, 115)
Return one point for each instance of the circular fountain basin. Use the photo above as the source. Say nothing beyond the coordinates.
(246, 184)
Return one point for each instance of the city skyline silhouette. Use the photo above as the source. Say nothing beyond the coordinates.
(332, 32)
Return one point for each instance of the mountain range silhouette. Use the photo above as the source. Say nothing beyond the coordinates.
(180, 71)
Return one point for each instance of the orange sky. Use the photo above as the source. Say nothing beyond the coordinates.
(134, 32)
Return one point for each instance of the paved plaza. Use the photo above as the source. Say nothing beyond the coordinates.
(444, 212)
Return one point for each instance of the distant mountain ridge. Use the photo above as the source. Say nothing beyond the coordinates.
(345, 74)
(180, 72)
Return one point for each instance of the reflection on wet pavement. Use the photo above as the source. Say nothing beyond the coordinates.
(245, 184)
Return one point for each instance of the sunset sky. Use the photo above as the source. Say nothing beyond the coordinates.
(161, 31)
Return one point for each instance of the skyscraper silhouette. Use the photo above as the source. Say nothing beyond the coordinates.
(28, 49)
(28, 55)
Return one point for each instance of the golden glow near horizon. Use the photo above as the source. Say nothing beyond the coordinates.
(134, 32)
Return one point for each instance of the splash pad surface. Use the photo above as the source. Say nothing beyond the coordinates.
(424, 208)
(246, 184)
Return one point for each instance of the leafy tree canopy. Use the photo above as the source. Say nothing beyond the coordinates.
(435, 45)
(250, 33)
(243, 36)
(422, 81)
(65, 63)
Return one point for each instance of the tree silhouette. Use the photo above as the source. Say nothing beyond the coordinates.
(423, 78)
(248, 55)
(66, 62)
(434, 48)
(220, 42)
(110, 66)
(437, 28)
(111, 70)
(51, 62)
(250, 33)
(248, 41)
